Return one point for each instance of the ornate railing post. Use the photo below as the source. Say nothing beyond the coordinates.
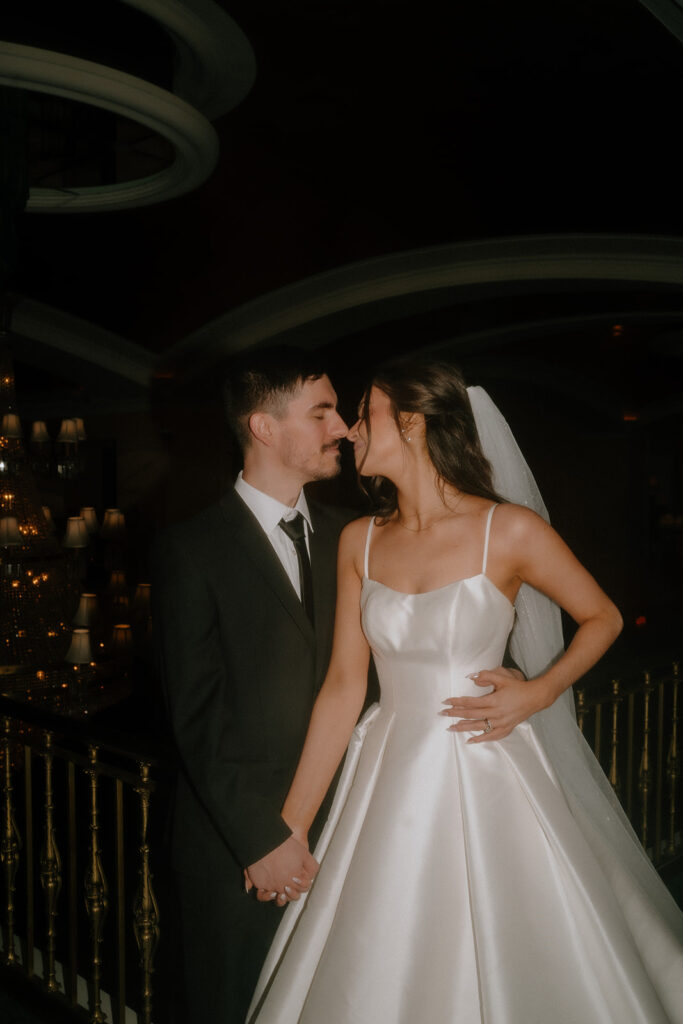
(50, 871)
(645, 770)
(614, 738)
(597, 739)
(11, 843)
(146, 911)
(96, 902)
(672, 764)
(580, 708)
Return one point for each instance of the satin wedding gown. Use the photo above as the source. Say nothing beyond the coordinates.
(455, 886)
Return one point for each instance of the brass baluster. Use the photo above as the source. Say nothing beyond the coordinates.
(96, 902)
(614, 738)
(659, 775)
(598, 729)
(645, 771)
(672, 763)
(29, 957)
(630, 727)
(580, 708)
(119, 1002)
(11, 844)
(71, 966)
(146, 911)
(50, 871)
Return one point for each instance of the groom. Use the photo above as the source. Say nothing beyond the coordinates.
(245, 597)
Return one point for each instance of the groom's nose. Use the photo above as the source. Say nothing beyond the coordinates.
(339, 428)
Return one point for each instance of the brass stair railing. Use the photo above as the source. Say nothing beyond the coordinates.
(69, 922)
(72, 917)
(636, 741)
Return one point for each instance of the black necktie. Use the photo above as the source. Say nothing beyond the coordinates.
(296, 531)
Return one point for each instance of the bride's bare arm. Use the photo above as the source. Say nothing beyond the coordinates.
(341, 697)
(333, 719)
(539, 556)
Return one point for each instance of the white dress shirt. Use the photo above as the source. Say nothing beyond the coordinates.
(269, 511)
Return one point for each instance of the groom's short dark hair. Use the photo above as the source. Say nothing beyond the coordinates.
(265, 380)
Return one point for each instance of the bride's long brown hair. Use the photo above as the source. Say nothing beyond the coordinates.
(437, 391)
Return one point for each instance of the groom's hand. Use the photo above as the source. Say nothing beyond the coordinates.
(283, 874)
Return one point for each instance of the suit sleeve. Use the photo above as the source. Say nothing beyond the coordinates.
(234, 788)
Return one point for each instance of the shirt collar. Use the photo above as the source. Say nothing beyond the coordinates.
(268, 510)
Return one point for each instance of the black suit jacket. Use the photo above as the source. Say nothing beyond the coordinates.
(241, 666)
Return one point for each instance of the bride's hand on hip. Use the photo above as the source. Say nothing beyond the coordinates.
(512, 700)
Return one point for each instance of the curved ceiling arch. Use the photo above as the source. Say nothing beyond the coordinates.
(442, 271)
(69, 335)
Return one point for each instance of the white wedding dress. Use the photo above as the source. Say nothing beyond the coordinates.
(456, 886)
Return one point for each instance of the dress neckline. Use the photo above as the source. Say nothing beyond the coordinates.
(446, 586)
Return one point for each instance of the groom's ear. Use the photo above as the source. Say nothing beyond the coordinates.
(261, 427)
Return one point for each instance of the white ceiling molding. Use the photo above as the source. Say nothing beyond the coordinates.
(191, 134)
(533, 260)
(216, 66)
(76, 337)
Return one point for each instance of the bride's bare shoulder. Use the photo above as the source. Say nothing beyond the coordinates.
(516, 523)
(352, 540)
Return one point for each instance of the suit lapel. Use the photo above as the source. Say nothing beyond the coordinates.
(248, 535)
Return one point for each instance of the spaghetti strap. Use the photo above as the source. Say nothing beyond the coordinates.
(367, 546)
(486, 540)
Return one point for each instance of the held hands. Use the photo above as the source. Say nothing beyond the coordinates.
(511, 701)
(283, 874)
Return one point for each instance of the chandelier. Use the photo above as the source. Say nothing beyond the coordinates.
(58, 636)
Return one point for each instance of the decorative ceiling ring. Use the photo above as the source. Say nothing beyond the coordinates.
(446, 271)
(190, 133)
(216, 64)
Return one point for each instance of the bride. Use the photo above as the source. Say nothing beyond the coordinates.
(476, 866)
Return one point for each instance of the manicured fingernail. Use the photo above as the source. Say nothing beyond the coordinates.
(297, 880)
(473, 675)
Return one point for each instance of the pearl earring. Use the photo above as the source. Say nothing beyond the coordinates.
(403, 435)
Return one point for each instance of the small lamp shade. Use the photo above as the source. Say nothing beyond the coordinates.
(117, 582)
(141, 600)
(39, 434)
(80, 429)
(10, 534)
(76, 535)
(89, 516)
(87, 613)
(68, 432)
(11, 425)
(121, 640)
(113, 524)
(48, 516)
(79, 652)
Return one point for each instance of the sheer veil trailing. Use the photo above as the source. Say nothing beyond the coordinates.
(535, 642)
